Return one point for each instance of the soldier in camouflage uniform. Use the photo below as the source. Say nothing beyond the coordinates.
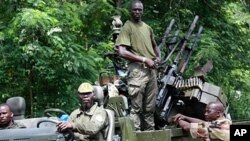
(89, 120)
(215, 128)
(136, 44)
(6, 118)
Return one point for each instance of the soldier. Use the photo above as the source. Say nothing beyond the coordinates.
(216, 126)
(6, 118)
(136, 44)
(88, 121)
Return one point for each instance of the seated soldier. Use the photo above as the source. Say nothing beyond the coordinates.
(216, 127)
(6, 118)
(89, 120)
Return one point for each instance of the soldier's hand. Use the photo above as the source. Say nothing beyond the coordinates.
(61, 126)
(157, 61)
(149, 63)
(178, 117)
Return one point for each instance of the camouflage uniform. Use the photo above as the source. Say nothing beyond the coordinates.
(89, 125)
(13, 125)
(142, 81)
(211, 131)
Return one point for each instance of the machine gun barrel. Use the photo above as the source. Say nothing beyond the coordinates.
(197, 38)
(173, 48)
(167, 31)
(186, 38)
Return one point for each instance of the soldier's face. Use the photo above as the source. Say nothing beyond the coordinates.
(137, 11)
(5, 115)
(86, 99)
(211, 113)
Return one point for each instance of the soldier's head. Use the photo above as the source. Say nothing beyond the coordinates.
(6, 116)
(86, 95)
(214, 110)
(136, 10)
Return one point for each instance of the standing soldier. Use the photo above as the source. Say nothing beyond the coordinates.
(136, 43)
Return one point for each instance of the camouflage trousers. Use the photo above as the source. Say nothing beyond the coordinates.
(142, 88)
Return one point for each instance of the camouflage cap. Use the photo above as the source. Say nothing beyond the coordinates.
(85, 88)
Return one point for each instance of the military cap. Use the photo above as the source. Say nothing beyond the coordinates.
(85, 88)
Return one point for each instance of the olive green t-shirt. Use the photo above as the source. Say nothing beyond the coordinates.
(138, 38)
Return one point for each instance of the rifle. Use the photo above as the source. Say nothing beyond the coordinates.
(164, 100)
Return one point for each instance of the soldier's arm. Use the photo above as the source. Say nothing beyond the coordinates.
(193, 120)
(123, 52)
(186, 118)
(184, 125)
(195, 130)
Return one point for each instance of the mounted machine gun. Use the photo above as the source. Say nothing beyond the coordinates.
(179, 95)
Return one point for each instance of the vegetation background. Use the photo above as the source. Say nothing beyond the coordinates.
(48, 47)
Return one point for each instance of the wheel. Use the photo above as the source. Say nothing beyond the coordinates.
(46, 120)
(54, 112)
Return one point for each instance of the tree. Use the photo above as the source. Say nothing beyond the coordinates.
(48, 46)
(47, 54)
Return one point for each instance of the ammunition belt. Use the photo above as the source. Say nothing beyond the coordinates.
(189, 83)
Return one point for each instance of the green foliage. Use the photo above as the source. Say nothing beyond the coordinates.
(48, 47)
(46, 55)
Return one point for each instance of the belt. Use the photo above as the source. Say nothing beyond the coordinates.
(140, 64)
